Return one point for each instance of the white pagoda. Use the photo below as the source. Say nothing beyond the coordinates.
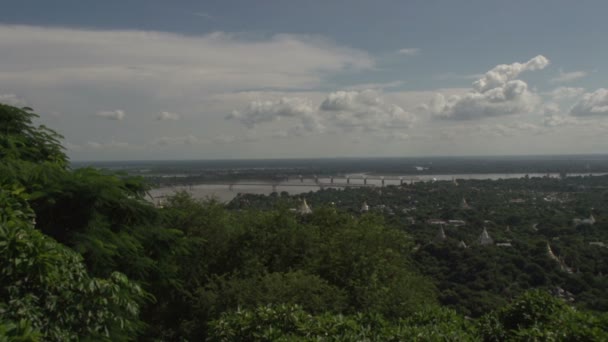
(440, 235)
(485, 239)
(464, 205)
(304, 209)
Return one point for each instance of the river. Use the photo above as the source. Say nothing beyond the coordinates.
(225, 192)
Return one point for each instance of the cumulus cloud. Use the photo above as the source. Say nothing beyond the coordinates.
(501, 74)
(496, 93)
(117, 114)
(592, 104)
(554, 120)
(12, 99)
(564, 77)
(409, 51)
(258, 112)
(551, 108)
(365, 110)
(565, 93)
(164, 116)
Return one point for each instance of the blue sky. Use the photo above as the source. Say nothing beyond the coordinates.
(235, 79)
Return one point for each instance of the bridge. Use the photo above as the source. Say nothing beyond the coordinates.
(322, 182)
(347, 180)
(328, 182)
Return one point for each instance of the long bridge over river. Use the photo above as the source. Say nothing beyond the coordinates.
(319, 181)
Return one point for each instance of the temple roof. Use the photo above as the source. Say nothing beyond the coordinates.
(304, 208)
(484, 238)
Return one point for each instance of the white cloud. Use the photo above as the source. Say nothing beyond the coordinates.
(161, 62)
(564, 77)
(501, 74)
(409, 51)
(558, 120)
(12, 99)
(163, 116)
(551, 108)
(496, 93)
(258, 112)
(365, 110)
(592, 104)
(564, 93)
(117, 114)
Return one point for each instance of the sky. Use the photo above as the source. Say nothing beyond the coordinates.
(159, 79)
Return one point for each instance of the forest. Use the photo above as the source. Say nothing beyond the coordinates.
(84, 256)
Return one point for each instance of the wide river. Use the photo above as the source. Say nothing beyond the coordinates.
(226, 192)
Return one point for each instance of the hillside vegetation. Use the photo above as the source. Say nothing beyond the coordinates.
(84, 256)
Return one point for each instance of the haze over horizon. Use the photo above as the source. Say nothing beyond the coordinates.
(222, 80)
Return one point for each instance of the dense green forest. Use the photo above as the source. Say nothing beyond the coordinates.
(85, 257)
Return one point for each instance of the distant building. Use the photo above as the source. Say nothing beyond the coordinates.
(440, 235)
(456, 223)
(436, 221)
(597, 243)
(504, 244)
(559, 260)
(464, 205)
(584, 222)
(304, 209)
(485, 239)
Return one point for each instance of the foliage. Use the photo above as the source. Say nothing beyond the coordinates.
(538, 316)
(292, 323)
(85, 256)
(46, 291)
(20, 139)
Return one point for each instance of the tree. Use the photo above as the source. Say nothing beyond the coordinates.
(46, 292)
(21, 139)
